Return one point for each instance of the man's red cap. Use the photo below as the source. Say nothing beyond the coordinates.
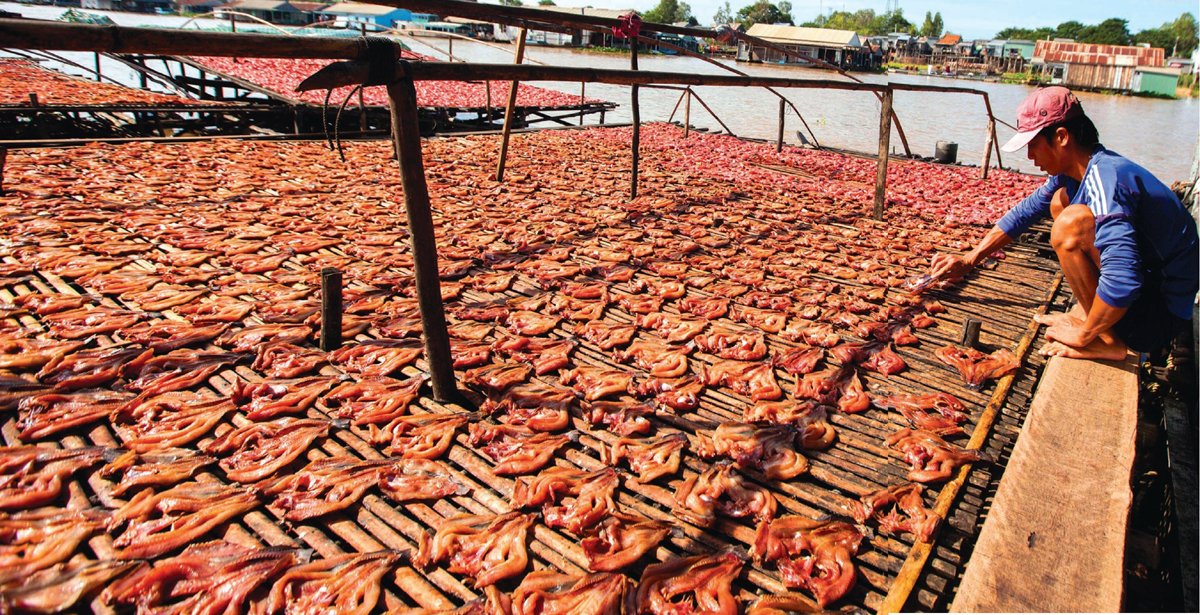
(1045, 107)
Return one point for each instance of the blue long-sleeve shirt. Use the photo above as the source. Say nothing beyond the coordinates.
(1146, 239)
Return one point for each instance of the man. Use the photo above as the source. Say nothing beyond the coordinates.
(1126, 245)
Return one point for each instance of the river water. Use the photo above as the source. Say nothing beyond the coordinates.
(1161, 135)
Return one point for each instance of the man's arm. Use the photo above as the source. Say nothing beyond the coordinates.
(1016, 221)
(1101, 318)
(950, 266)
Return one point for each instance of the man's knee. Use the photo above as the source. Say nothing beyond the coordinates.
(1074, 229)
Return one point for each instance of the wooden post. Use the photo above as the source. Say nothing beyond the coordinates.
(996, 145)
(362, 106)
(687, 112)
(779, 139)
(712, 113)
(676, 107)
(450, 49)
(987, 148)
(331, 309)
(233, 29)
(96, 56)
(3, 159)
(885, 135)
(406, 136)
(487, 103)
(637, 120)
(582, 99)
(987, 105)
(508, 112)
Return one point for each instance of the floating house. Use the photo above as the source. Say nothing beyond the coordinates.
(355, 13)
(1096, 67)
(838, 47)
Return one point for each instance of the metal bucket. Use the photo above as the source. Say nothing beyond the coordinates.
(946, 152)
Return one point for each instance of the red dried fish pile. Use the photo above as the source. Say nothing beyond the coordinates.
(20, 78)
(700, 341)
(284, 74)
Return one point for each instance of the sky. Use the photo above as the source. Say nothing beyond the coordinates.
(970, 18)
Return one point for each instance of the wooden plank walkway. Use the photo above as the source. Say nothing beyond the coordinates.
(1054, 539)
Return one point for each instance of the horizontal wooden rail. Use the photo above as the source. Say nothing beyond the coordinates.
(30, 34)
(504, 14)
(349, 73)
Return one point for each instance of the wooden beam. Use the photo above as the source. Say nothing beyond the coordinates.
(406, 136)
(637, 120)
(331, 309)
(885, 136)
(687, 112)
(507, 14)
(31, 34)
(508, 112)
(779, 137)
(710, 111)
(987, 149)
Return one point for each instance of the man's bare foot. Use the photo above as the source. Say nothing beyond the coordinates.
(1073, 318)
(1097, 350)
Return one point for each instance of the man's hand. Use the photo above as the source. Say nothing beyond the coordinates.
(949, 266)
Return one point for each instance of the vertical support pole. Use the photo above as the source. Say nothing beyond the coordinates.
(407, 138)
(450, 49)
(687, 112)
(3, 159)
(987, 104)
(96, 57)
(232, 28)
(508, 110)
(582, 100)
(637, 120)
(331, 309)
(970, 332)
(987, 148)
(779, 138)
(885, 135)
(487, 91)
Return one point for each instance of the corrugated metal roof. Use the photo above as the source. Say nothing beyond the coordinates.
(949, 39)
(589, 11)
(260, 5)
(1159, 70)
(1086, 53)
(359, 8)
(796, 35)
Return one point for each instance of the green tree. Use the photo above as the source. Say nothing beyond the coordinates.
(669, 11)
(546, 3)
(1184, 29)
(887, 23)
(932, 26)
(785, 8)
(1072, 30)
(762, 11)
(724, 15)
(1027, 34)
(1162, 38)
(1112, 31)
(510, 2)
